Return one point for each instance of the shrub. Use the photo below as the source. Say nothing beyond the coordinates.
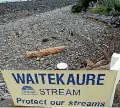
(117, 3)
(106, 7)
(78, 7)
(102, 10)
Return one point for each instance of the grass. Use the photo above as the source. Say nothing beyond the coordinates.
(102, 10)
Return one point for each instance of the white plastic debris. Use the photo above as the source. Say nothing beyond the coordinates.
(62, 66)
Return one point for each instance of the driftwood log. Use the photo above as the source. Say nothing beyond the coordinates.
(44, 52)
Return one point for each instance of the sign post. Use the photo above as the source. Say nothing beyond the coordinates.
(115, 65)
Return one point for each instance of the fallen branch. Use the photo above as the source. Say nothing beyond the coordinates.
(44, 52)
(105, 67)
(101, 65)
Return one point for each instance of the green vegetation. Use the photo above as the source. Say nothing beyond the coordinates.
(102, 10)
(78, 7)
(117, 3)
(107, 7)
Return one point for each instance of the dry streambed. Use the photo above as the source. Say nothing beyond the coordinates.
(52, 29)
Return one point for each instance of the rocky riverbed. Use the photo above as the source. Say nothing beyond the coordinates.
(50, 29)
(12, 11)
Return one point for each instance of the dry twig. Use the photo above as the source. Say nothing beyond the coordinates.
(44, 52)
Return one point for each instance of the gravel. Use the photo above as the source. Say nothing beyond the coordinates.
(5, 98)
(12, 11)
(60, 27)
